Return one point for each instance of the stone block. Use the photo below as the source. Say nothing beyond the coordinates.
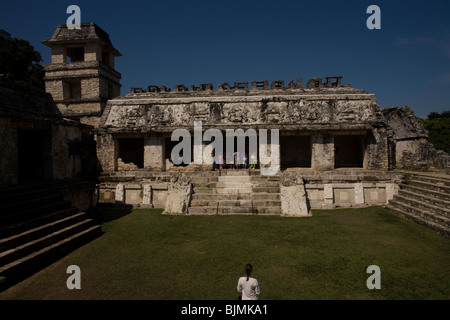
(294, 201)
(120, 193)
(359, 193)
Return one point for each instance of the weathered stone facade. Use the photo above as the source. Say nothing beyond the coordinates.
(333, 145)
(36, 142)
(323, 117)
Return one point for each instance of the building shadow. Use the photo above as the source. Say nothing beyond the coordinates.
(103, 213)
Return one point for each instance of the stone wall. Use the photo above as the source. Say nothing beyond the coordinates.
(9, 154)
(294, 110)
(319, 111)
(410, 146)
(54, 147)
(300, 191)
(345, 189)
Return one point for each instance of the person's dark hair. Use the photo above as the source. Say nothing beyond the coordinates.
(248, 270)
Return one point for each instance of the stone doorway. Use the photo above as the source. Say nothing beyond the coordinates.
(295, 151)
(131, 151)
(349, 151)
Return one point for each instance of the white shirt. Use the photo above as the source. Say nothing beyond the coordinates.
(249, 289)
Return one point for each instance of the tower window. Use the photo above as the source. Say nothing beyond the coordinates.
(75, 54)
(72, 89)
(106, 58)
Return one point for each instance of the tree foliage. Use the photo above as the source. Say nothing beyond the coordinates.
(19, 61)
(438, 126)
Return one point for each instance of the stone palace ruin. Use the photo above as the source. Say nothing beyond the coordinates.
(335, 148)
(80, 144)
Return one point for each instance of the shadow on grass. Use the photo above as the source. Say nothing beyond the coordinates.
(106, 213)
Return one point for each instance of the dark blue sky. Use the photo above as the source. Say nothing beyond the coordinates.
(191, 42)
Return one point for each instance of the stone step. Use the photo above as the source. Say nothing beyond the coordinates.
(27, 265)
(238, 172)
(22, 226)
(236, 196)
(203, 180)
(236, 203)
(7, 218)
(266, 189)
(222, 210)
(430, 179)
(266, 195)
(425, 201)
(35, 190)
(418, 219)
(266, 184)
(431, 193)
(429, 185)
(412, 210)
(232, 190)
(22, 196)
(234, 185)
(235, 210)
(28, 248)
(24, 189)
(19, 239)
(216, 196)
(265, 178)
(234, 179)
(21, 205)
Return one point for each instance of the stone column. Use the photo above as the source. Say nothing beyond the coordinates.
(120, 193)
(154, 150)
(328, 197)
(106, 151)
(146, 196)
(293, 197)
(322, 152)
(359, 193)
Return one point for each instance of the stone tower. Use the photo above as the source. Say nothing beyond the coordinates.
(81, 77)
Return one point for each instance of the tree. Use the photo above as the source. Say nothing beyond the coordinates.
(438, 127)
(19, 61)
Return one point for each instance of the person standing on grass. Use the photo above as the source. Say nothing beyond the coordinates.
(248, 286)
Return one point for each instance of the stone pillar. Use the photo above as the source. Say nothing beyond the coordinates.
(120, 193)
(322, 152)
(154, 150)
(146, 196)
(293, 197)
(328, 197)
(178, 195)
(377, 151)
(106, 151)
(359, 193)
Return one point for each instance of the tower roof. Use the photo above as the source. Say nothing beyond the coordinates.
(89, 32)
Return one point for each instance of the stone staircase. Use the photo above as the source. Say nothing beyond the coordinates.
(37, 227)
(235, 192)
(426, 200)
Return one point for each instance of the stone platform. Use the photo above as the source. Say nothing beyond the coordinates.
(245, 191)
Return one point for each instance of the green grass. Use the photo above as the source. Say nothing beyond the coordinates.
(144, 254)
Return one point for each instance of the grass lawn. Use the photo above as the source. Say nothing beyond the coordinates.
(146, 255)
